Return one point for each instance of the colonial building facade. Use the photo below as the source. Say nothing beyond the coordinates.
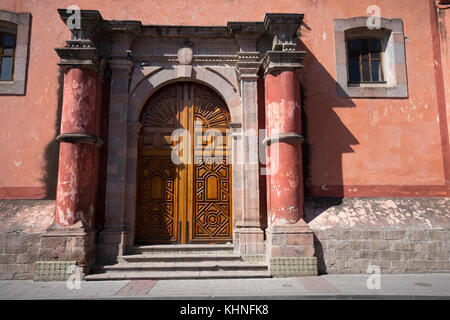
(209, 139)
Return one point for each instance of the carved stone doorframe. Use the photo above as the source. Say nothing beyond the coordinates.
(209, 56)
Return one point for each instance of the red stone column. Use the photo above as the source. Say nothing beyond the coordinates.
(290, 240)
(75, 199)
(283, 125)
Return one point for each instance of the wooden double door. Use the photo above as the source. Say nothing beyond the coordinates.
(184, 167)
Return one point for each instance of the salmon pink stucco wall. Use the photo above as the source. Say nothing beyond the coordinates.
(355, 147)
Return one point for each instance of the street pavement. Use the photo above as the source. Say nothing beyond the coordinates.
(417, 286)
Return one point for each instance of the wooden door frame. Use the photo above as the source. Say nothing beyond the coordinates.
(184, 173)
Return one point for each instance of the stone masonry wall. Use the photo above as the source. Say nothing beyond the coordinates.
(394, 251)
(18, 254)
(397, 235)
(22, 224)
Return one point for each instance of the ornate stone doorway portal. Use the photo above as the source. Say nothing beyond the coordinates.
(234, 87)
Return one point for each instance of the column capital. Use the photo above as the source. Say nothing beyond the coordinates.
(282, 60)
(248, 65)
(284, 54)
(120, 68)
(81, 50)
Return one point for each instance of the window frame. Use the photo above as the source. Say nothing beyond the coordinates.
(17, 24)
(391, 36)
(2, 47)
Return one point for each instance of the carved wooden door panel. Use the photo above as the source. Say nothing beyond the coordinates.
(157, 183)
(189, 201)
(211, 213)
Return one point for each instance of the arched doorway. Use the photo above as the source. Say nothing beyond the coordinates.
(184, 167)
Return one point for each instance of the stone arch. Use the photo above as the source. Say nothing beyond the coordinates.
(160, 77)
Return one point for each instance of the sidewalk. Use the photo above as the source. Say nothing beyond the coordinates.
(323, 287)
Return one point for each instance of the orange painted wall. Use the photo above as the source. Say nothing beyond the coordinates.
(355, 142)
(443, 21)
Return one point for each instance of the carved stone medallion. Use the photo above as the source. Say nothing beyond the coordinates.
(185, 55)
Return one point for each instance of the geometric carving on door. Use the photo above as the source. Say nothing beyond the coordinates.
(212, 201)
(156, 214)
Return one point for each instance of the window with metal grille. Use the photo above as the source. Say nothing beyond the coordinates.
(365, 61)
(7, 48)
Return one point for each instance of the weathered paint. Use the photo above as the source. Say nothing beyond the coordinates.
(27, 216)
(283, 116)
(378, 144)
(75, 195)
(381, 214)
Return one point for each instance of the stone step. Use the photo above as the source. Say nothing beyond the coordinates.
(164, 275)
(185, 266)
(184, 248)
(180, 257)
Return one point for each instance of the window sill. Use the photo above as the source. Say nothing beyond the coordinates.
(382, 84)
(373, 90)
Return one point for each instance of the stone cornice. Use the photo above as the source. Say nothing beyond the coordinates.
(133, 27)
(90, 24)
(84, 48)
(283, 27)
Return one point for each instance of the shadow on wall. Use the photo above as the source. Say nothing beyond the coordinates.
(326, 136)
(51, 154)
(326, 140)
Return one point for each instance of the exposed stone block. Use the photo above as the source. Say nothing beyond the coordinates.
(300, 239)
(7, 258)
(27, 258)
(390, 255)
(350, 234)
(337, 244)
(368, 254)
(372, 234)
(52, 242)
(440, 235)
(438, 255)
(15, 248)
(278, 240)
(394, 235)
(403, 245)
(360, 245)
(403, 264)
(344, 253)
(381, 244)
(33, 248)
(23, 276)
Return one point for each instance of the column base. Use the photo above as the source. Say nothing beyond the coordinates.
(64, 251)
(249, 242)
(291, 250)
(111, 244)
